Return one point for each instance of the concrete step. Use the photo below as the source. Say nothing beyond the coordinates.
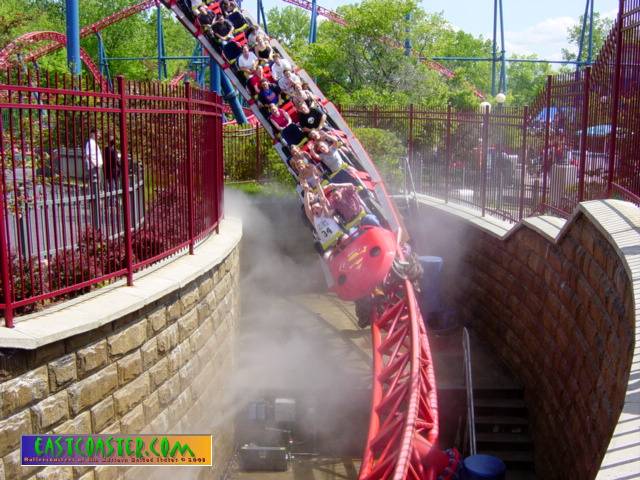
(499, 420)
(513, 474)
(521, 440)
(510, 403)
(506, 392)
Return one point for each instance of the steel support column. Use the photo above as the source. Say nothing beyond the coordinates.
(162, 62)
(313, 25)
(214, 76)
(231, 97)
(72, 15)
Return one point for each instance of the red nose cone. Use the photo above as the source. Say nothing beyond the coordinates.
(363, 263)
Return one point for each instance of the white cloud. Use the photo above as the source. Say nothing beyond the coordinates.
(546, 38)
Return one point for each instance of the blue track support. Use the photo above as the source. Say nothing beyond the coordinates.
(162, 62)
(503, 64)
(407, 31)
(583, 30)
(214, 76)
(72, 14)
(590, 50)
(313, 25)
(103, 61)
(263, 16)
(231, 96)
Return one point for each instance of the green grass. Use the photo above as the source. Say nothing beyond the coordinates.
(261, 189)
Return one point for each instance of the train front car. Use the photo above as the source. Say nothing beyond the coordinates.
(362, 256)
(363, 263)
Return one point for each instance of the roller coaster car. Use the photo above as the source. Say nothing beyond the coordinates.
(362, 262)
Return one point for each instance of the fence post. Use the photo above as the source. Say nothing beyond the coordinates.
(583, 132)
(126, 200)
(485, 155)
(5, 262)
(616, 98)
(545, 151)
(189, 134)
(523, 156)
(410, 137)
(258, 159)
(448, 154)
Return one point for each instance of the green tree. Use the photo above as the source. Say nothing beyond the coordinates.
(386, 150)
(601, 27)
(357, 63)
(526, 80)
(132, 37)
(290, 25)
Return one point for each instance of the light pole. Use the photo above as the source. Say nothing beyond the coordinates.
(499, 162)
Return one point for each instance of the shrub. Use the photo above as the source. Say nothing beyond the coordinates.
(387, 152)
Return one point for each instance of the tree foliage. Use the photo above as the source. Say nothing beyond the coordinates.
(357, 64)
(290, 25)
(601, 27)
(132, 37)
(526, 80)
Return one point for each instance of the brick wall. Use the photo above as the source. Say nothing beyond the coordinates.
(559, 313)
(161, 369)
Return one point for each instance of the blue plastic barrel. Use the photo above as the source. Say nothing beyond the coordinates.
(483, 467)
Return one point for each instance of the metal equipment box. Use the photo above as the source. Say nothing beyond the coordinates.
(270, 459)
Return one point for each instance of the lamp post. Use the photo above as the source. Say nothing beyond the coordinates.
(500, 162)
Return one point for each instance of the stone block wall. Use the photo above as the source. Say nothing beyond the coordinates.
(164, 369)
(560, 313)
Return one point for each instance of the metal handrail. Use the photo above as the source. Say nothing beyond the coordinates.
(468, 381)
(409, 174)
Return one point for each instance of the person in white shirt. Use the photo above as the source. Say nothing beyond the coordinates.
(247, 62)
(93, 162)
(92, 152)
(288, 82)
(278, 66)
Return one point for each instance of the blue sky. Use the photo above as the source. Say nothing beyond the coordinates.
(531, 26)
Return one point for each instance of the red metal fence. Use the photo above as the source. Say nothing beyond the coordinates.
(74, 213)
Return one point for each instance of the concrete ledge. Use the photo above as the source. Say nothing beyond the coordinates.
(494, 226)
(106, 305)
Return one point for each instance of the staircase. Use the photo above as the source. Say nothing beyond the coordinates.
(502, 429)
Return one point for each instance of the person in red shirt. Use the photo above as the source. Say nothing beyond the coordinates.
(278, 117)
(253, 84)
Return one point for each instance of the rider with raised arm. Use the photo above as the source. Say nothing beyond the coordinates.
(320, 215)
(345, 201)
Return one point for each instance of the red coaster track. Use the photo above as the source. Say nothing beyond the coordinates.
(59, 41)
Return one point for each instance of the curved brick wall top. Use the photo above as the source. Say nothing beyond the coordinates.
(560, 303)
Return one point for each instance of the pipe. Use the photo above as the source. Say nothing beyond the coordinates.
(214, 76)
(231, 97)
